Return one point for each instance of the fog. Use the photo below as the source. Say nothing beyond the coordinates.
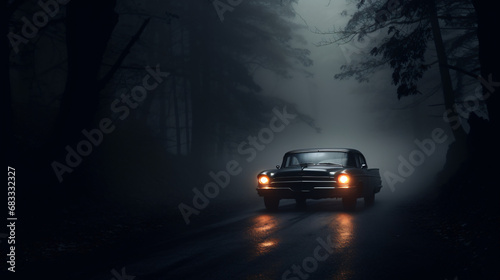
(184, 87)
(331, 113)
(136, 131)
(365, 116)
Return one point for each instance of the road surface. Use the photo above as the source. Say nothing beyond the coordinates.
(319, 242)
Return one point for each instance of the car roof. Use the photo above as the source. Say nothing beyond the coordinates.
(344, 150)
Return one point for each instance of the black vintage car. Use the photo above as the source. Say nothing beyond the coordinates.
(320, 173)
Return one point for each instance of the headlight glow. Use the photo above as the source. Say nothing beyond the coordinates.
(343, 179)
(264, 180)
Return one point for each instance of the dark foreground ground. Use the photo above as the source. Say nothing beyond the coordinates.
(408, 240)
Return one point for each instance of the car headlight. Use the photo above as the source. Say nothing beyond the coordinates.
(263, 180)
(343, 179)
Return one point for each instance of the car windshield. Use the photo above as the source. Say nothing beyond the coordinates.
(315, 158)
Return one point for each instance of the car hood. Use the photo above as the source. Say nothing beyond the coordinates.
(314, 170)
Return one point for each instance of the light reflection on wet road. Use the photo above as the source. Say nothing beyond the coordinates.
(320, 242)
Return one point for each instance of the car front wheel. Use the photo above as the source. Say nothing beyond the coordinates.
(271, 203)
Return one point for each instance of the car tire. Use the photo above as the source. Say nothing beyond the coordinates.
(349, 203)
(271, 203)
(369, 200)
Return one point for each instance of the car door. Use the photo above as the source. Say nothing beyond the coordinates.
(364, 172)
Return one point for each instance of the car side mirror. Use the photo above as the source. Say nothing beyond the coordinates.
(364, 166)
(278, 167)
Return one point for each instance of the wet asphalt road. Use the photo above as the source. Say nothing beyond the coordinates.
(319, 242)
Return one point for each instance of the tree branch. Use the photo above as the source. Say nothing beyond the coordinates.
(475, 76)
(106, 78)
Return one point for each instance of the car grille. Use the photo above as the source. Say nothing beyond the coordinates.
(302, 179)
(302, 183)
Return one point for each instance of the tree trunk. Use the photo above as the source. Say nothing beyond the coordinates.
(88, 29)
(448, 94)
(202, 119)
(489, 55)
(187, 115)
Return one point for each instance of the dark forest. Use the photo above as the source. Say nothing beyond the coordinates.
(135, 132)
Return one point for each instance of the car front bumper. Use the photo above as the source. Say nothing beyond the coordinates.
(309, 193)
